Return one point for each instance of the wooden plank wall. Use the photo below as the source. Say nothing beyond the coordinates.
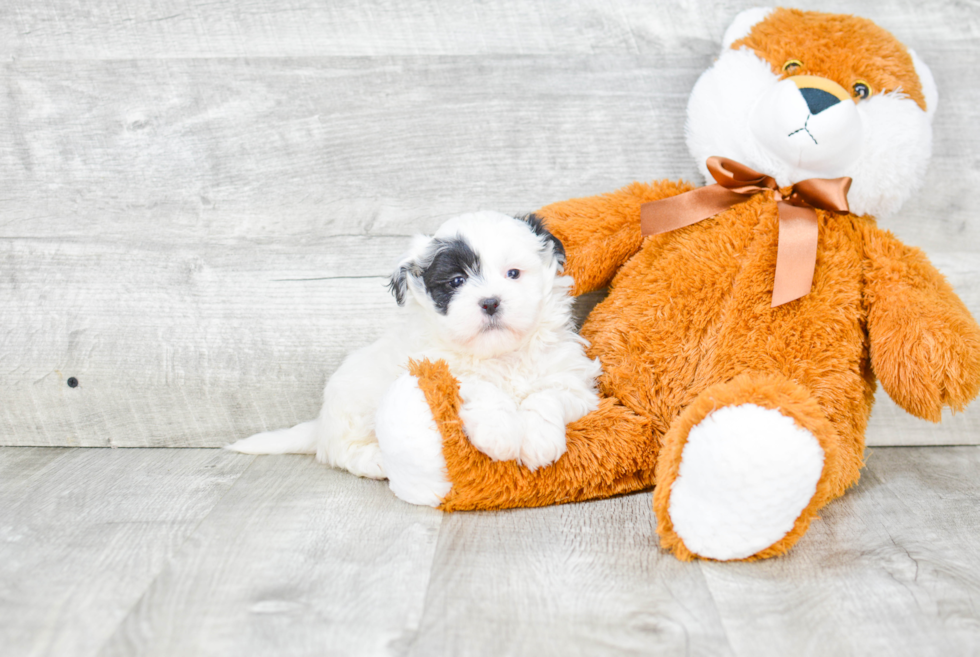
(201, 201)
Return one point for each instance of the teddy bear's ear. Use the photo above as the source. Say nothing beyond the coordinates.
(743, 24)
(927, 82)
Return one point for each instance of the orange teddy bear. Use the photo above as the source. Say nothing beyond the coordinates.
(746, 321)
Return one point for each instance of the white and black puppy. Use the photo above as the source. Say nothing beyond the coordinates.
(484, 294)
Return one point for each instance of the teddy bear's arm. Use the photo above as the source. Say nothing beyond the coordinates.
(600, 233)
(925, 345)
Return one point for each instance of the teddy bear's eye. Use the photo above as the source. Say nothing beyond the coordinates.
(861, 89)
(792, 66)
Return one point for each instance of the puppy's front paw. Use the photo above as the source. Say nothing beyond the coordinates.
(363, 460)
(490, 420)
(544, 442)
(367, 462)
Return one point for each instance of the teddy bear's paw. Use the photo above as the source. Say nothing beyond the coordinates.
(410, 444)
(745, 476)
(544, 442)
(490, 420)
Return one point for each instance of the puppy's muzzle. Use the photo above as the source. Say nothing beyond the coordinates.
(490, 305)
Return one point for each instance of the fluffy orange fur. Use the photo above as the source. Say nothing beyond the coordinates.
(925, 347)
(687, 325)
(768, 391)
(610, 451)
(843, 48)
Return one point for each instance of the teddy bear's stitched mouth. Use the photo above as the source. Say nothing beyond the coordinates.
(806, 129)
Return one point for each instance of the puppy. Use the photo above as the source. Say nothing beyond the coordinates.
(484, 294)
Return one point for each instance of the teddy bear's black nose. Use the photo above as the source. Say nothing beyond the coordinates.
(818, 100)
(490, 305)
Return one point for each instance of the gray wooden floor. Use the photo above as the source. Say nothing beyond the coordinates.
(205, 552)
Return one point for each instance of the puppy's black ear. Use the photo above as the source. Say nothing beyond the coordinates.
(410, 266)
(399, 282)
(537, 225)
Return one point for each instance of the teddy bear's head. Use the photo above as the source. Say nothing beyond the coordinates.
(801, 94)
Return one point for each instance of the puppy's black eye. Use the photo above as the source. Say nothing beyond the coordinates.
(456, 282)
(514, 273)
(861, 89)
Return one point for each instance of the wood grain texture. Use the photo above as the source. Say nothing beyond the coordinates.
(83, 533)
(103, 29)
(297, 559)
(277, 149)
(180, 552)
(891, 568)
(167, 167)
(582, 579)
(180, 346)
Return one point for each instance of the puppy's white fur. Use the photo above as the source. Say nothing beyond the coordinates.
(522, 370)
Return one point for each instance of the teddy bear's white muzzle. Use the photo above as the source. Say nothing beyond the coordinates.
(808, 128)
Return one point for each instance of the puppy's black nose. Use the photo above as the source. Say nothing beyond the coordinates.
(490, 305)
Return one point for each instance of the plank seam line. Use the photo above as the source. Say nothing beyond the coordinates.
(714, 603)
(323, 278)
(880, 483)
(428, 584)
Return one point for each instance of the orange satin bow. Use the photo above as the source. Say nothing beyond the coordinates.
(796, 254)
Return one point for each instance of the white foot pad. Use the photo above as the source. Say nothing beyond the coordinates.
(746, 474)
(411, 445)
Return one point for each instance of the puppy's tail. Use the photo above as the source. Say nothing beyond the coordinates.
(300, 439)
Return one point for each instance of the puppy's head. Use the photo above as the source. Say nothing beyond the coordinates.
(483, 280)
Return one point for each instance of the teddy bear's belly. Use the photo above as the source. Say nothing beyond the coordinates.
(693, 309)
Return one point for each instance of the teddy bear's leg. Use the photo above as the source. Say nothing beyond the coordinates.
(745, 468)
(610, 451)
(411, 445)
